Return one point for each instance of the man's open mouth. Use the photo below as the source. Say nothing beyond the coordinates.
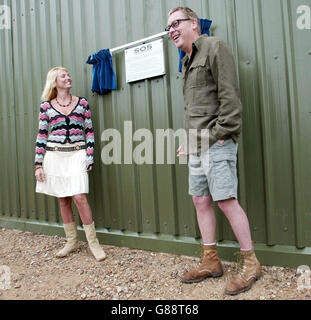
(176, 37)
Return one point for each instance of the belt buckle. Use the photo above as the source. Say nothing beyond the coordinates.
(55, 148)
(78, 147)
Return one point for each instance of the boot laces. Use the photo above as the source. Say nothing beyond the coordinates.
(201, 253)
(240, 267)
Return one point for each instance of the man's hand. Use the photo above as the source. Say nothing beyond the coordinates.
(181, 152)
(221, 141)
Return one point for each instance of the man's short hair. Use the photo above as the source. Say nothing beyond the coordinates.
(189, 13)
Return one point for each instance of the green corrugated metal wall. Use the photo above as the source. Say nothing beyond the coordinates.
(147, 206)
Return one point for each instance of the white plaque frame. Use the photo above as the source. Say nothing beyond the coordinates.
(145, 61)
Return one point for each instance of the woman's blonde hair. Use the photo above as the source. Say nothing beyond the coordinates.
(50, 91)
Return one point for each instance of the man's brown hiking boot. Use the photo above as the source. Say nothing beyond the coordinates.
(210, 266)
(248, 272)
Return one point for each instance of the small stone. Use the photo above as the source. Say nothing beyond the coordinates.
(83, 296)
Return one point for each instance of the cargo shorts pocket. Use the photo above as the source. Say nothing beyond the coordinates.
(223, 173)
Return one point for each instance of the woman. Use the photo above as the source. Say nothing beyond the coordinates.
(65, 156)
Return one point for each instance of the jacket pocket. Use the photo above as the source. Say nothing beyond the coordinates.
(202, 117)
(199, 73)
(203, 111)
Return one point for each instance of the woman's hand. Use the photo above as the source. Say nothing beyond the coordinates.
(39, 174)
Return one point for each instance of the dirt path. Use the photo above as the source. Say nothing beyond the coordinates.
(126, 274)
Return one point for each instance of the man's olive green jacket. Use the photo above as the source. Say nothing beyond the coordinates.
(211, 91)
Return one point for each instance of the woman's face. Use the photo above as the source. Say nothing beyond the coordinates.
(63, 80)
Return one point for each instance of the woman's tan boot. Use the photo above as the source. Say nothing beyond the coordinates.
(96, 249)
(72, 240)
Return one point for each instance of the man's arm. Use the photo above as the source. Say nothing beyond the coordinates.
(229, 121)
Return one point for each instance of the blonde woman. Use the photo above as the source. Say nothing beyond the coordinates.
(65, 155)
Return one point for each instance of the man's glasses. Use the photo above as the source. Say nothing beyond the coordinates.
(175, 24)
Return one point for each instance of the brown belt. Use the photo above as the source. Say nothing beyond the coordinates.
(66, 149)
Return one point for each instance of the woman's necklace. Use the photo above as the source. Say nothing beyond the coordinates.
(63, 105)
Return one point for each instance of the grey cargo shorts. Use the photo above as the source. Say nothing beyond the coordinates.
(214, 172)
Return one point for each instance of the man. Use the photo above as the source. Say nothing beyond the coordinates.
(212, 101)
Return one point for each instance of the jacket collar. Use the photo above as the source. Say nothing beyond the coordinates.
(196, 46)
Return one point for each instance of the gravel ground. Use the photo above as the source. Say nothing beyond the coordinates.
(126, 274)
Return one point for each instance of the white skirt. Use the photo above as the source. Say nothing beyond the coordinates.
(65, 173)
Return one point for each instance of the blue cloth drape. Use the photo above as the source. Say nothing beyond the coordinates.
(104, 79)
(205, 28)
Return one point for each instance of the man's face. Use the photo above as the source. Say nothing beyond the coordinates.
(183, 35)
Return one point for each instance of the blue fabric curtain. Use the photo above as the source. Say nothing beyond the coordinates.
(205, 29)
(104, 79)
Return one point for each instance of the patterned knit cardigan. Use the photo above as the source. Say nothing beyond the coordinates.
(75, 127)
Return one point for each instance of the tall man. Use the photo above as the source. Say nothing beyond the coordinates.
(212, 101)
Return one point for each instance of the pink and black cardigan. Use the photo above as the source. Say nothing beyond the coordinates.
(75, 127)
